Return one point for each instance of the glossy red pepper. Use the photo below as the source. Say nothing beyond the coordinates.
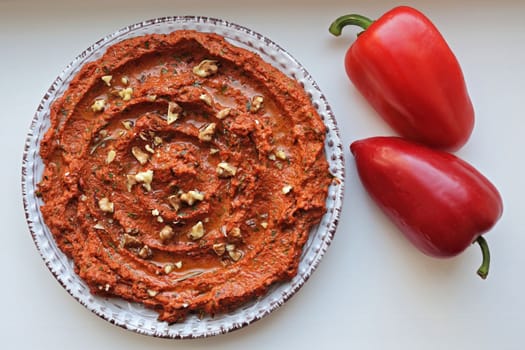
(405, 69)
(441, 203)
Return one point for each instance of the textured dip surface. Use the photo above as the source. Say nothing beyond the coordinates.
(183, 173)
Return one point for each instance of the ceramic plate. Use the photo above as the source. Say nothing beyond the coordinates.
(133, 316)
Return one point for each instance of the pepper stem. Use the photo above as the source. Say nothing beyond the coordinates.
(356, 20)
(483, 270)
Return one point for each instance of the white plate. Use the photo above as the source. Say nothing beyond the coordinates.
(133, 316)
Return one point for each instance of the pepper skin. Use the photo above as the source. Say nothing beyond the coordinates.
(405, 69)
(440, 202)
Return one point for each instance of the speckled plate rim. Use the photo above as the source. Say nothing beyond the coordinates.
(135, 317)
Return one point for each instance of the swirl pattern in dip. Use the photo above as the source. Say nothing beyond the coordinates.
(183, 173)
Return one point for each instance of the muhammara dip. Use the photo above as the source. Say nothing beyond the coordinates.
(183, 173)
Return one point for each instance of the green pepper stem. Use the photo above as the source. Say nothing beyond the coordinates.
(483, 270)
(356, 20)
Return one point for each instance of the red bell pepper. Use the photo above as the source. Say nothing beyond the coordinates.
(440, 202)
(405, 69)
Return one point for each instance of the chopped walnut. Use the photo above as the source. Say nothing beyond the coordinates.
(206, 99)
(206, 68)
(226, 170)
(286, 189)
(157, 140)
(99, 105)
(140, 155)
(223, 113)
(264, 224)
(173, 112)
(191, 197)
(219, 248)
(206, 132)
(151, 98)
(105, 205)
(281, 155)
(143, 136)
(149, 149)
(145, 177)
(124, 80)
(127, 124)
(256, 103)
(197, 231)
(145, 252)
(99, 226)
(128, 241)
(235, 255)
(107, 79)
(111, 156)
(126, 93)
(178, 264)
(168, 268)
(166, 233)
(130, 181)
(235, 232)
(152, 293)
(174, 201)
(132, 231)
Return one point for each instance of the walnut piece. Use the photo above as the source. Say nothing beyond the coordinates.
(111, 156)
(174, 201)
(130, 181)
(128, 241)
(256, 103)
(140, 155)
(219, 248)
(206, 99)
(127, 124)
(191, 197)
(206, 68)
(99, 105)
(126, 93)
(145, 177)
(223, 113)
(281, 155)
(286, 189)
(173, 112)
(107, 79)
(166, 233)
(145, 252)
(235, 255)
(225, 170)
(197, 231)
(168, 268)
(206, 132)
(105, 205)
(235, 232)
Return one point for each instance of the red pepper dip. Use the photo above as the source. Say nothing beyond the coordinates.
(183, 173)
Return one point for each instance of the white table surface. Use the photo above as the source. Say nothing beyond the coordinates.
(372, 290)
